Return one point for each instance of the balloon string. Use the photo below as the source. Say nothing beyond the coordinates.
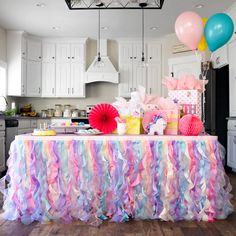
(203, 74)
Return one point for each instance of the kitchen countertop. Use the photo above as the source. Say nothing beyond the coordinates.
(3, 117)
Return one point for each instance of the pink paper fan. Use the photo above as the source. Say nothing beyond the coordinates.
(148, 116)
(102, 117)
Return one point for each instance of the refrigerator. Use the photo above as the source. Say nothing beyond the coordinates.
(217, 104)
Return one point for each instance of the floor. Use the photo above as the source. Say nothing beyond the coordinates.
(132, 228)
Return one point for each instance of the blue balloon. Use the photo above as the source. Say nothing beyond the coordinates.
(218, 30)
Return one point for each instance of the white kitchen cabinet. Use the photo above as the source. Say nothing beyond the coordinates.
(34, 49)
(231, 157)
(16, 54)
(49, 52)
(77, 80)
(133, 73)
(49, 69)
(48, 79)
(63, 85)
(220, 57)
(154, 53)
(232, 78)
(154, 79)
(34, 78)
(70, 69)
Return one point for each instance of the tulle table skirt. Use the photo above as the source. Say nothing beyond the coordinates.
(116, 178)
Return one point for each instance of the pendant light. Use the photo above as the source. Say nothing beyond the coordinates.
(99, 63)
(143, 61)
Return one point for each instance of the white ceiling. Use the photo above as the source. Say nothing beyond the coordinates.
(25, 15)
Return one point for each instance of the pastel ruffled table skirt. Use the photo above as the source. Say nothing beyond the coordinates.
(117, 178)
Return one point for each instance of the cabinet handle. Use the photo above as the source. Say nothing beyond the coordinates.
(68, 91)
(150, 90)
(218, 60)
(130, 89)
(52, 90)
(172, 74)
(39, 90)
(72, 90)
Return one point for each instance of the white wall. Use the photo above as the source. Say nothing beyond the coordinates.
(3, 48)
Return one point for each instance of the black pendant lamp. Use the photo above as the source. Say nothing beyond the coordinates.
(143, 61)
(99, 62)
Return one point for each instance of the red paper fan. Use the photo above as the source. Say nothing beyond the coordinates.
(102, 117)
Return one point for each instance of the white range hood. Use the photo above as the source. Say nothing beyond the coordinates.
(106, 73)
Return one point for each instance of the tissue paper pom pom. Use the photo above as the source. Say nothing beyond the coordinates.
(102, 117)
(190, 125)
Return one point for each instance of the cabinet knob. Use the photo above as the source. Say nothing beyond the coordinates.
(131, 57)
(135, 57)
(68, 57)
(53, 57)
(73, 57)
(40, 57)
(150, 58)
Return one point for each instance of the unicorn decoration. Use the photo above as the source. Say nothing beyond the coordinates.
(157, 126)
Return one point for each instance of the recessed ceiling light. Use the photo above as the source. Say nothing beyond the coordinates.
(199, 6)
(153, 28)
(105, 28)
(56, 27)
(40, 4)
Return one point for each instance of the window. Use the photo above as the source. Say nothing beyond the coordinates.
(3, 85)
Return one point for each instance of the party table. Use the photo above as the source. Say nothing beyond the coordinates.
(68, 177)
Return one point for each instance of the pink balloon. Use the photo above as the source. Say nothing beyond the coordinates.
(189, 29)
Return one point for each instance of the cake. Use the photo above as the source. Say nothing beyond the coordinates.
(44, 132)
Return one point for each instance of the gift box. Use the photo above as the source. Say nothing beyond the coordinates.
(172, 122)
(133, 125)
(189, 100)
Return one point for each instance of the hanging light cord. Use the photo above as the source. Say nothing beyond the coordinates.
(99, 55)
(143, 59)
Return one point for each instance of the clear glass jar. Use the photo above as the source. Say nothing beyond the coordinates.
(67, 111)
(75, 113)
(44, 113)
(58, 110)
(50, 112)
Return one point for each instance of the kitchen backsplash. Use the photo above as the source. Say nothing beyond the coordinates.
(95, 93)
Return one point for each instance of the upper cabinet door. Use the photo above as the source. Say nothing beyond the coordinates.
(34, 50)
(126, 79)
(23, 47)
(137, 52)
(48, 79)
(34, 75)
(63, 88)
(77, 80)
(63, 53)
(154, 53)
(77, 52)
(154, 85)
(126, 52)
(49, 52)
